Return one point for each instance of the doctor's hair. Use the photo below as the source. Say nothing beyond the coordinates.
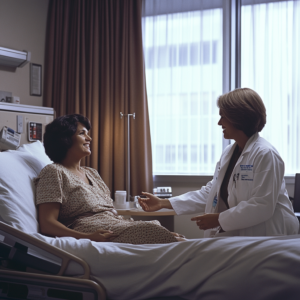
(245, 109)
(58, 135)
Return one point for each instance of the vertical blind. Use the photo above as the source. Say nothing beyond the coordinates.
(270, 65)
(183, 60)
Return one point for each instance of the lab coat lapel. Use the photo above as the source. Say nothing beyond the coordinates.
(234, 172)
(249, 145)
(224, 165)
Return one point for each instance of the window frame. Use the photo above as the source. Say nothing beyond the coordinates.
(231, 62)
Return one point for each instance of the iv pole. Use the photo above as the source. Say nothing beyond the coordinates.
(128, 151)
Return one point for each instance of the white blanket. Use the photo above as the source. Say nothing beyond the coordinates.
(207, 269)
(219, 268)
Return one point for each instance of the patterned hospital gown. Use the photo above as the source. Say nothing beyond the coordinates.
(87, 207)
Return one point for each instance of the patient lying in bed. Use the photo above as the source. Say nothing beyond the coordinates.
(74, 200)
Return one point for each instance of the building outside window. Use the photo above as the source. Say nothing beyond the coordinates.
(270, 65)
(184, 52)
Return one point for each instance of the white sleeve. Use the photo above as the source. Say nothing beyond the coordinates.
(267, 180)
(191, 202)
(194, 202)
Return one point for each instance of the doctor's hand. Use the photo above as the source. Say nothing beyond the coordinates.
(101, 236)
(207, 221)
(151, 203)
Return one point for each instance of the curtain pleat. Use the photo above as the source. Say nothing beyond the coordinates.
(94, 66)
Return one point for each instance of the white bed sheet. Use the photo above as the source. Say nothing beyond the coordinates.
(207, 269)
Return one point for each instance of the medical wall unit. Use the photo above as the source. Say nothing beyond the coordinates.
(14, 58)
(21, 124)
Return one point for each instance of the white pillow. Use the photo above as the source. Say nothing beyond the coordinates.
(37, 150)
(18, 168)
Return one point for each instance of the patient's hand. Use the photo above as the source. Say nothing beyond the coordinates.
(179, 237)
(102, 236)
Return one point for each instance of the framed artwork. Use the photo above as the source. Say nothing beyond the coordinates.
(35, 80)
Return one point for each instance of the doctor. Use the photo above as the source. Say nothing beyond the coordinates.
(247, 195)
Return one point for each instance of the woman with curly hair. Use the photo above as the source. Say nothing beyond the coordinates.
(74, 201)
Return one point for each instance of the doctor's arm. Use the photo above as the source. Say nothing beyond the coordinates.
(268, 172)
(188, 203)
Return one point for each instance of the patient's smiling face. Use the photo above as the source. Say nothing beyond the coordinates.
(80, 142)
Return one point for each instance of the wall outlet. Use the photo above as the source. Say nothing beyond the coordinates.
(20, 124)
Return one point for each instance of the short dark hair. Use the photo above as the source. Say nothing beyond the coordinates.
(58, 135)
(245, 109)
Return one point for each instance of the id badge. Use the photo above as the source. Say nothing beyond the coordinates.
(246, 173)
(215, 202)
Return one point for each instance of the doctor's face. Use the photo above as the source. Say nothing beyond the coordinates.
(229, 130)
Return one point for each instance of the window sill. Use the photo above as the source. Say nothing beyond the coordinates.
(290, 179)
(181, 178)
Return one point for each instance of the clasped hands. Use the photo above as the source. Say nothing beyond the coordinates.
(207, 221)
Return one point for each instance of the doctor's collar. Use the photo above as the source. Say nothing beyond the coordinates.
(250, 143)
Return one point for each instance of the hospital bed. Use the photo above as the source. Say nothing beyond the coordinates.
(34, 266)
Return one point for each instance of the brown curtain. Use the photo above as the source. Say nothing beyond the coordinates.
(94, 66)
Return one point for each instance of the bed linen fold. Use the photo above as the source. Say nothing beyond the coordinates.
(215, 268)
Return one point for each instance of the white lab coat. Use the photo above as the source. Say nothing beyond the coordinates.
(258, 200)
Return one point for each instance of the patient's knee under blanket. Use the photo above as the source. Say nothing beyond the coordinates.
(129, 231)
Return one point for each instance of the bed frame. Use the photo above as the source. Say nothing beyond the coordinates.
(26, 276)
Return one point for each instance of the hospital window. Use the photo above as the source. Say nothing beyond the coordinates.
(181, 55)
(270, 65)
(186, 72)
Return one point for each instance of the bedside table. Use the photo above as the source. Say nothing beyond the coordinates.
(164, 216)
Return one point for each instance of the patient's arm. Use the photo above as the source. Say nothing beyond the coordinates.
(49, 225)
(153, 203)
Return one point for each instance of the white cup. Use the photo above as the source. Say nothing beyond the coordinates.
(120, 199)
(16, 100)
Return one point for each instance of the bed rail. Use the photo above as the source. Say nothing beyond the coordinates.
(40, 286)
(81, 284)
(63, 255)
